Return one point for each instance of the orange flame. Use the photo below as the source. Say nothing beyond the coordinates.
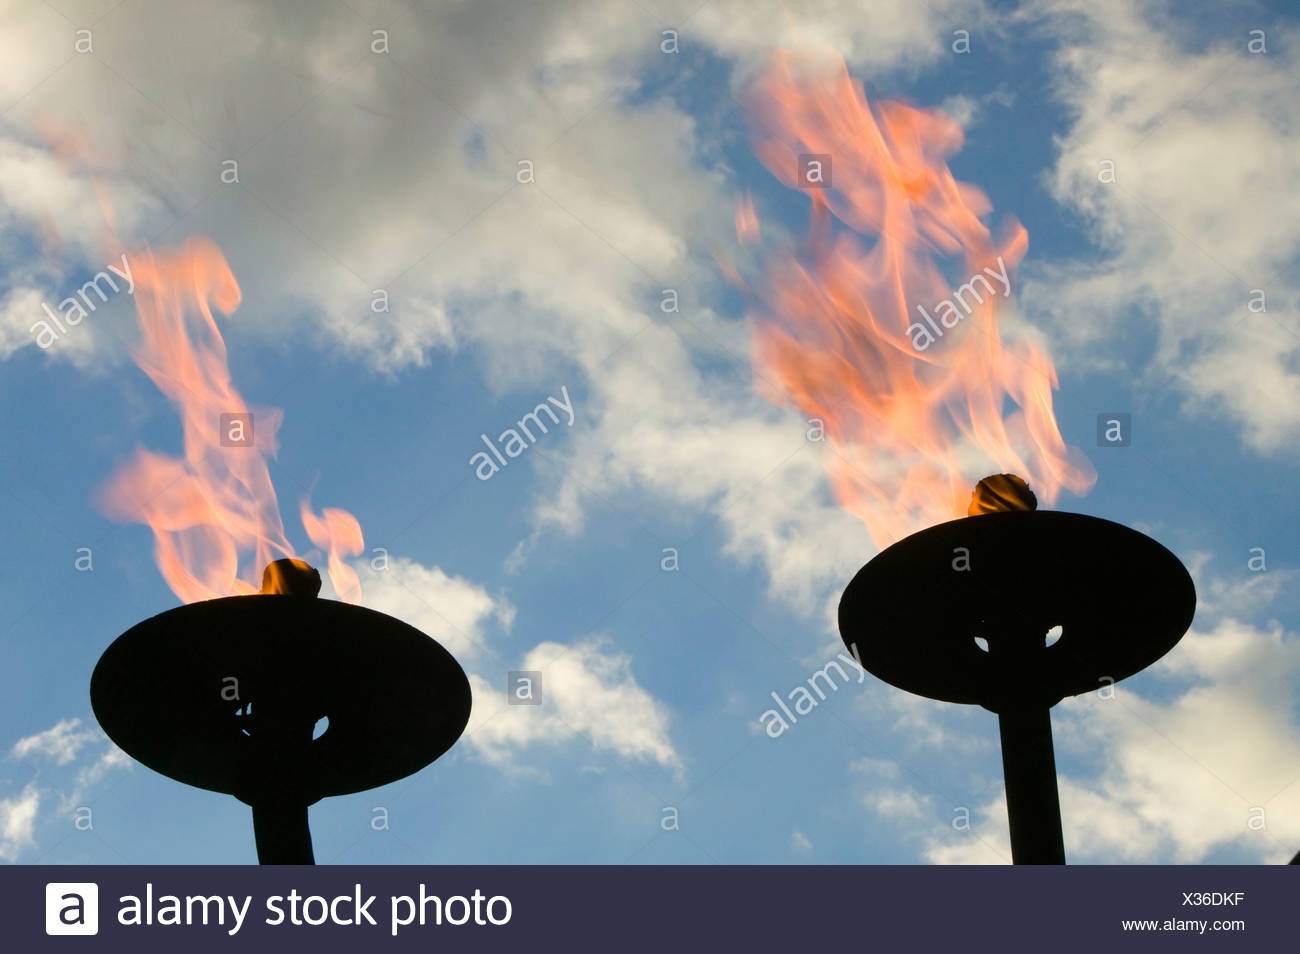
(841, 330)
(338, 533)
(217, 502)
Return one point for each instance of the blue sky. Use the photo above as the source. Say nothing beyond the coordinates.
(361, 170)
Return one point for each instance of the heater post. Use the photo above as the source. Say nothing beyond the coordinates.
(388, 698)
(282, 834)
(974, 631)
(1029, 770)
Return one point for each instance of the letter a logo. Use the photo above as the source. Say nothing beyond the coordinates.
(71, 907)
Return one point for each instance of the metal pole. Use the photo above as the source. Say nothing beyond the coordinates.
(282, 834)
(1029, 769)
(281, 740)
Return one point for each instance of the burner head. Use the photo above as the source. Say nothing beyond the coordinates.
(290, 577)
(999, 492)
(1121, 599)
(225, 694)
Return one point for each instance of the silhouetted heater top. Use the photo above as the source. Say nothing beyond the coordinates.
(1009, 576)
(226, 695)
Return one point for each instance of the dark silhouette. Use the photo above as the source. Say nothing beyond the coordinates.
(999, 492)
(226, 695)
(913, 615)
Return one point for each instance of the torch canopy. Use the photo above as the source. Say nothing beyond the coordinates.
(224, 695)
(914, 612)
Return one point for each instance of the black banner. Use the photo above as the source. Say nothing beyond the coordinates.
(221, 908)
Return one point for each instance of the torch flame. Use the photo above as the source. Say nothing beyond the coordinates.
(338, 533)
(217, 502)
(839, 330)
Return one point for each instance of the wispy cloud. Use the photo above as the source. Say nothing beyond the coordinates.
(70, 761)
(588, 693)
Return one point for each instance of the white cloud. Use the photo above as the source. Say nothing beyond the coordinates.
(587, 692)
(969, 110)
(417, 154)
(34, 43)
(984, 842)
(1220, 597)
(90, 775)
(897, 803)
(668, 433)
(1205, 146)
(20, 308)
(450, 609)
(1214, 767)
(888, 34)
(59, 744)
(63, 746)
(18, 822)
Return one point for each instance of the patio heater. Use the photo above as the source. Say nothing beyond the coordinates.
(228, 695)
(960, 612)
